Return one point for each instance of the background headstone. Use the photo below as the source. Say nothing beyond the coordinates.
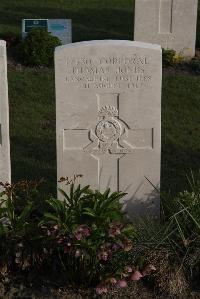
(169, 23)
(61, 28)
(5, 169)
(108, 114)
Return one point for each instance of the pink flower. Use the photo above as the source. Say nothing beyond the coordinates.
(82, 231)
(115, 229)
(136, 276)
(101, 290)
(86, 233)
(78, 236)
(121, 283)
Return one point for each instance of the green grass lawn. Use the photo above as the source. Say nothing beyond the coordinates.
(180, 130)
(32, 125)
(32, 100)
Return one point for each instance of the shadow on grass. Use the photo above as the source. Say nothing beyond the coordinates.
(176, 164)
(34, 158)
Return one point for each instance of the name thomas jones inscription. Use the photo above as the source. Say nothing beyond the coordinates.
(108, 72)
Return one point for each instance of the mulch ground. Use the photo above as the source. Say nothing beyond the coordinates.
(133, 291)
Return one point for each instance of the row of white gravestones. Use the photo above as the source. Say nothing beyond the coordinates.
(5, 169)
(108, 114)
(169, 23)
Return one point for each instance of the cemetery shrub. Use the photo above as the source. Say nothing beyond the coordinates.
(38, 48)
(170, 57)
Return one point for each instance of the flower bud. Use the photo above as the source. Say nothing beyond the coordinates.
(136, 276)
(121, 283)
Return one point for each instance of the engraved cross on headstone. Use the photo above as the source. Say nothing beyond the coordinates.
(109, 140)
(166, 16)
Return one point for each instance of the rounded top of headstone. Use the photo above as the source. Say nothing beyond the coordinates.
(2, 48)
(125, 43)
(2, 42)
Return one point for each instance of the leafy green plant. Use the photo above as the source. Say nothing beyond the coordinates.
(89, 229)
(86, 237)
(20, 235)
(170, 57)
(38, 48)
(93, 206)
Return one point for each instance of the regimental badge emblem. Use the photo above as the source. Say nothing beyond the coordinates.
(109, 134)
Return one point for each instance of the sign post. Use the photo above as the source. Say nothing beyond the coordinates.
(61, 28)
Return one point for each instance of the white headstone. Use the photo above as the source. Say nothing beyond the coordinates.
(5, 169)
(169, 23)
(108, 114)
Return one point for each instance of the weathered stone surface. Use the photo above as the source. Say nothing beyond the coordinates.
(108, 110)
(169, 23)
(5, 172)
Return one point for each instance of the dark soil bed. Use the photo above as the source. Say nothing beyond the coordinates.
(133, 291)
